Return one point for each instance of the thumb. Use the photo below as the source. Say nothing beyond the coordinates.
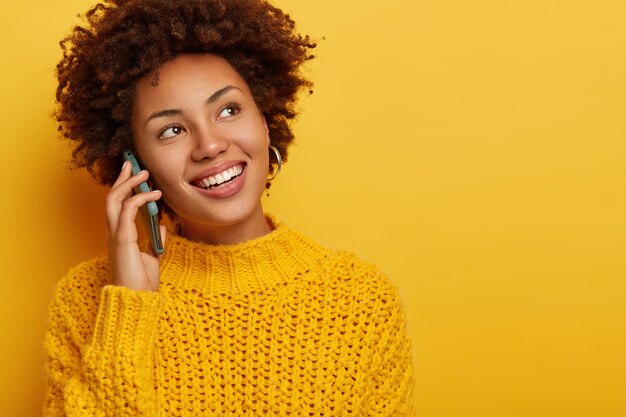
(150, 251)
(163, 234)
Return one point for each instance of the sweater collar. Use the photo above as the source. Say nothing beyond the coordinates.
(254, 266)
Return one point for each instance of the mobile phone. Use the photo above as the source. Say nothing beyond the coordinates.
(148, 212)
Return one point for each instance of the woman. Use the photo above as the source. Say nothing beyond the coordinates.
(241, 315)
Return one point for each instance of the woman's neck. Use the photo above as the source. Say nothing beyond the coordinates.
(227, 234)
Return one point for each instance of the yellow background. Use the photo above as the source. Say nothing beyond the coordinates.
(474, 150)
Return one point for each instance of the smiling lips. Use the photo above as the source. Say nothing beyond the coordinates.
(218, 179)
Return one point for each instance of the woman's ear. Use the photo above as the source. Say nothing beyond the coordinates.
(267, 130)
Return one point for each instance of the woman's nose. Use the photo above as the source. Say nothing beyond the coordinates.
(208, 144)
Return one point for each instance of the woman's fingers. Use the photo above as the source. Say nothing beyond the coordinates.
(121, 191)
(125, 173)
(126, 230)
(122, 205)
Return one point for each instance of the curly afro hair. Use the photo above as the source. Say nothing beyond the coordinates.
(125, 40)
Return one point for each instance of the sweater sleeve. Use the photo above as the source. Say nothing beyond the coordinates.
(391, 389)
(101, 364)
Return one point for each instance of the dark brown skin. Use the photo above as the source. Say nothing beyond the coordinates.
(125, 40)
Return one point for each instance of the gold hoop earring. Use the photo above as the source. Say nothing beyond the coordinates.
(279, 161)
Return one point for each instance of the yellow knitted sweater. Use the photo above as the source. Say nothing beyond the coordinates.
(277, 326)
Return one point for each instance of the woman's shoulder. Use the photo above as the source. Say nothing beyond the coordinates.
(367, 291)
(348, 272)
(339, 264)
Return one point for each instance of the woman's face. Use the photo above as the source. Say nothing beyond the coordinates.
(205, 143)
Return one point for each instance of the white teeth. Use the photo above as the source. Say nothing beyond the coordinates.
(220, 178)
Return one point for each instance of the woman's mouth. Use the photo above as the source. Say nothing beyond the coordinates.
(221, 178)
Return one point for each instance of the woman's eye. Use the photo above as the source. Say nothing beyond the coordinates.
(230, 110)
(170, 132)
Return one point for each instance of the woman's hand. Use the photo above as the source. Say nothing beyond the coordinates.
(129, 266)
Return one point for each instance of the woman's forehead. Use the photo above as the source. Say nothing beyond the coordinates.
(188, 76)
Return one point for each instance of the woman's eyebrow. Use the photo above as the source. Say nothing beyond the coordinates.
(220, 93)
(163, 113)
(174, 112)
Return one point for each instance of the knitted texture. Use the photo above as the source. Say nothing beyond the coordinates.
(277, 326)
